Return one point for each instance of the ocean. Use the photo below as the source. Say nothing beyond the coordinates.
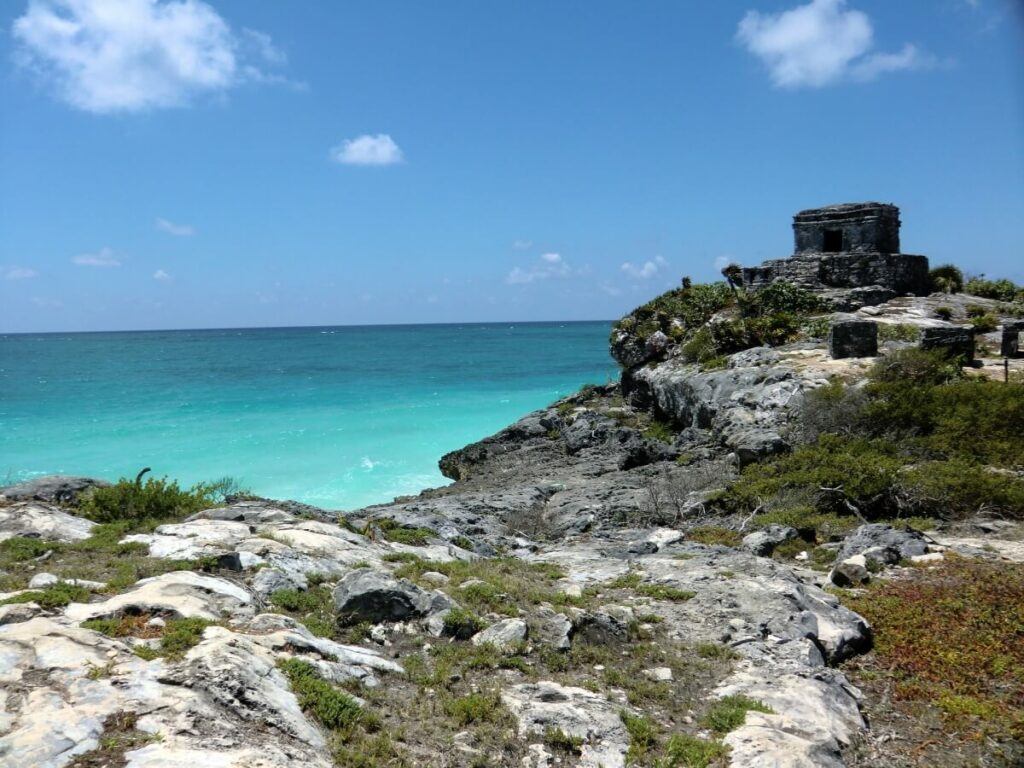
(338, 417)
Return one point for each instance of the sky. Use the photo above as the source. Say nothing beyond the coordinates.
(187, 164)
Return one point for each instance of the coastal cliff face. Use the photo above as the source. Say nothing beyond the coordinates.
(593, 589)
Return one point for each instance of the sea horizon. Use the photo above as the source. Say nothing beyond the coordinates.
(303, 326)
(337, 416)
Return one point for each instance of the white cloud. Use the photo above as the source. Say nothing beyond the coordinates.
(551, 265)
(102, 258)
(522, 245)
(108, 56)
(18, 273)
(821, 43)
(162, 276)
(178, 230)
(367, 150)
(646, 270)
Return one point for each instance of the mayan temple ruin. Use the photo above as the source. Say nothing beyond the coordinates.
(850, 252)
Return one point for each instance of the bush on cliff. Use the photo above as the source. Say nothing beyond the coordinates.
(916, 440)
(946, 278)
(1001, 290)
(152, 499)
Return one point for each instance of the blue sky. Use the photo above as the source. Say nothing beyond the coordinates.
(228, 163)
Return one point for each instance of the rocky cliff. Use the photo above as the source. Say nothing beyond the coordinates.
(583, 593)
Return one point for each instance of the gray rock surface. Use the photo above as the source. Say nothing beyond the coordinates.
(883, 544)
(368, 595)
(57, 489)
(764, 541)
(502, 634)
(42, 521)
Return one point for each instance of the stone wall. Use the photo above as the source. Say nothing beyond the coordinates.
(857, 228)
(899, 272)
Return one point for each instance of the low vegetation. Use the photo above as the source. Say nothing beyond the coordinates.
(949, 639)
(151, 499)
(176, 636)
(918, 441)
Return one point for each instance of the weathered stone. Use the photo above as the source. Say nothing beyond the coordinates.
(850, 572)
(543, 706)
(851, 246)
(883, 544)
(1010, 341)
(764, 542)
(368, 595)
(551, 628)
(955, 340)
(42, 521)
(181, 593)
(270, 580)
(502, 634)
(853, 338)
(58, 489)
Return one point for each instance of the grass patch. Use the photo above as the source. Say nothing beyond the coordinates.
(664, 592)
(951, 636)
(330, 707)
(558, 740)
(728, 713)
(714, 534)
(475, 708)
(643, 736)
(400, 534)
(462, 624)
(177, 636)
(120, 735)
(502, 585)
(20, 548)
(314, 607)
(54, 596)
(685, 751)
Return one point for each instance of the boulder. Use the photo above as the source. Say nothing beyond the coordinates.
(955, 340)
(850, 572)
(764, 542)
(58, 489)
(546, 705)
(42, 521)
(270, 580)
(853, 338)
(883, 544)
(369, 595)
(551, 628)
(181, 593)
(502, 634)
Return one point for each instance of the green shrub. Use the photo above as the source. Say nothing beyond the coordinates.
(331, 707)
(153, 499)
(729, 712)
(660, 432)
(944, 313)
(402, 534)
(475, 708)
(462, 624)
(985, 323)
(560, 741)
(643, 736)
(54, 596)
(664, 592)
(946, 278)
(915, 366)
(180, 635)
(897, 332)
(685, 751)
(1001, 290)
(780, 296)
(19, 548)
(957, 488)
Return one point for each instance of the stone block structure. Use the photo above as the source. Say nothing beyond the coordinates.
(853, 338)
(850, 251)
(956, 340)
(1010, 346)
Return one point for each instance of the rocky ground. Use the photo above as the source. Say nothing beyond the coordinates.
(571, 599)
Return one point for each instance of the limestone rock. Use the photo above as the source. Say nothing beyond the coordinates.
(577, 712)
(502, 634)
(883, 544)
(764, 542)
(369, 595)
(181, 593)
(43, 521)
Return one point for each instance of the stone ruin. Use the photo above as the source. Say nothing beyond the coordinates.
(1010, 346)
(851, 254)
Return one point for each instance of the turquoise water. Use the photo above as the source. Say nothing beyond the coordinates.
(337, 417)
